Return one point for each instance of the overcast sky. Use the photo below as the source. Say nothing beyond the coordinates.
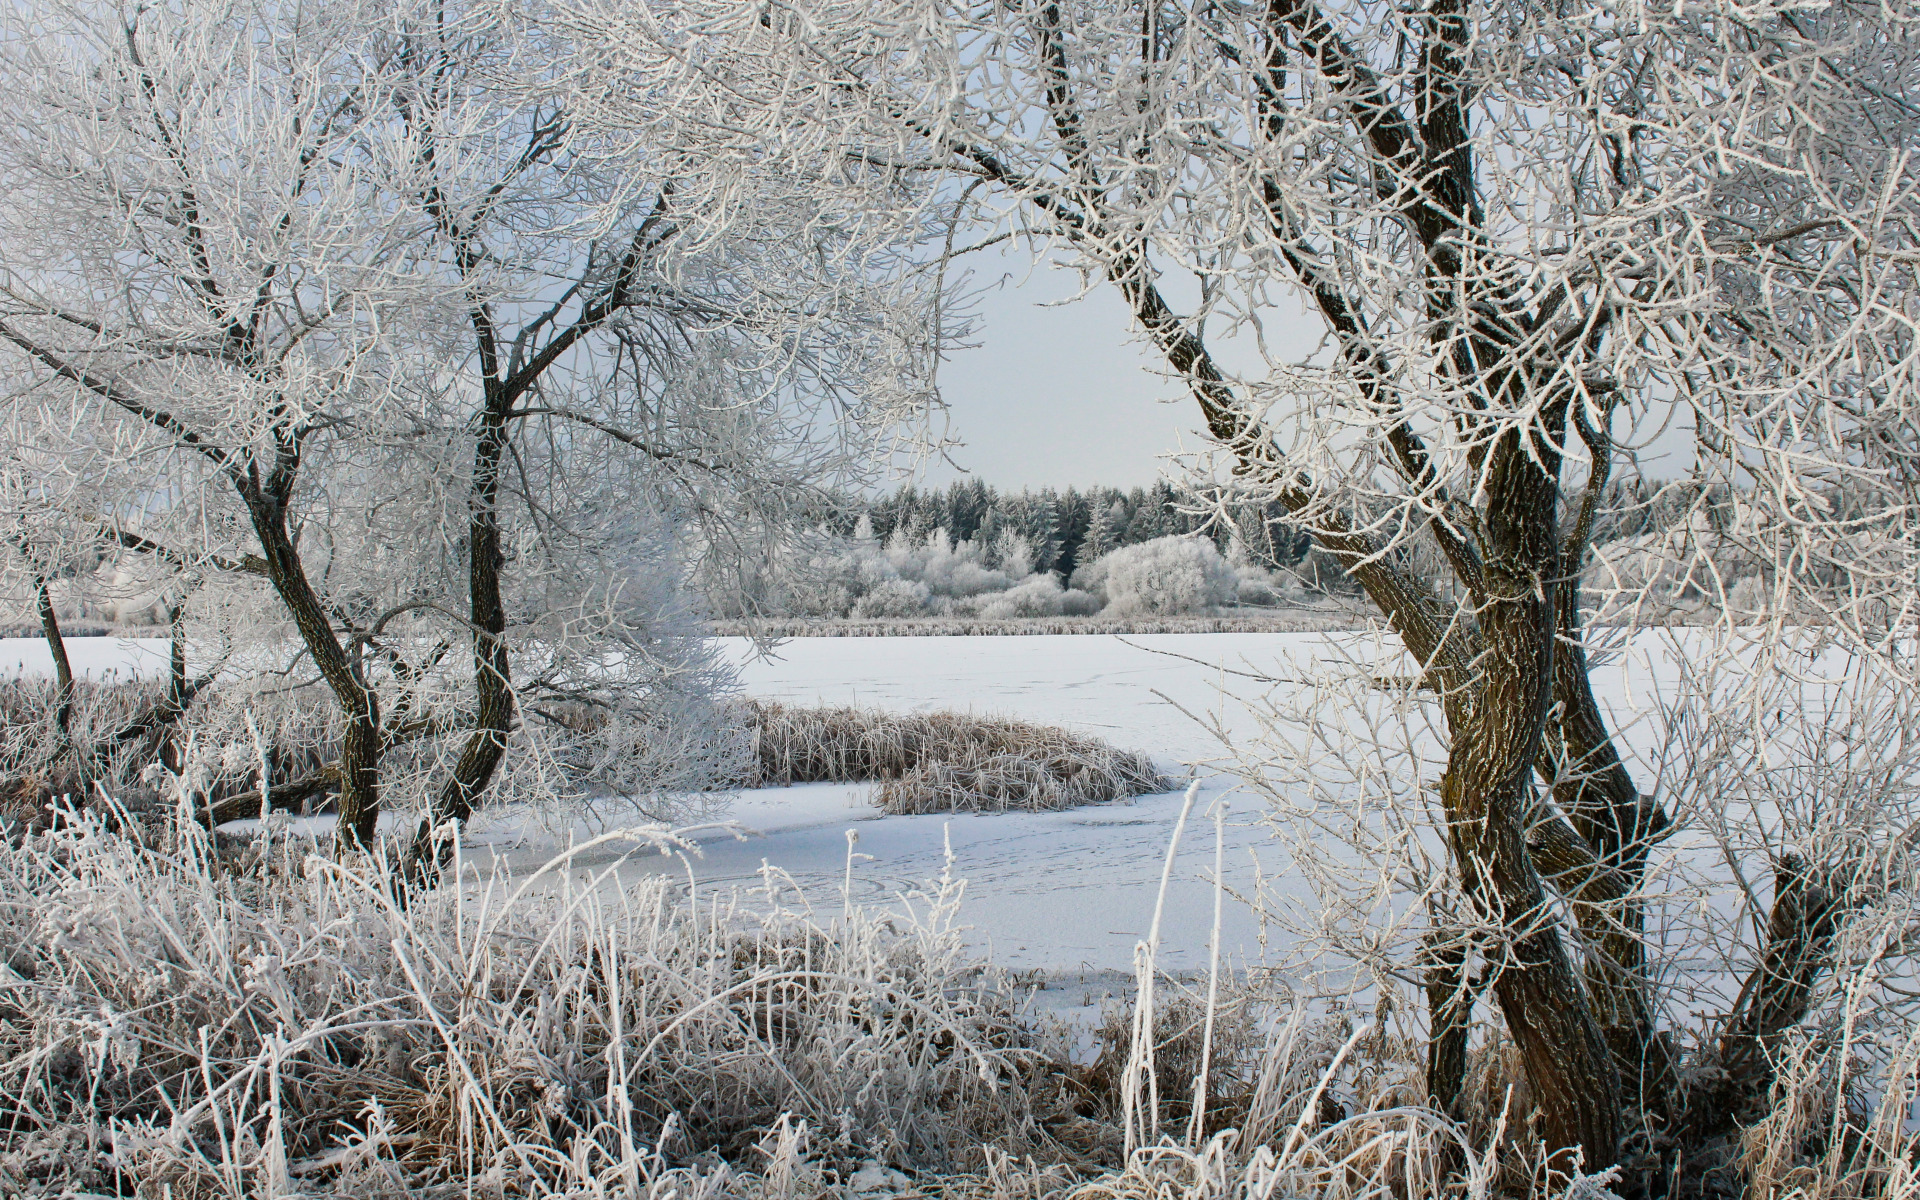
(1061, 395)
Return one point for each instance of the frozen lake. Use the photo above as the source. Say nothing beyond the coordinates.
(1066, 892)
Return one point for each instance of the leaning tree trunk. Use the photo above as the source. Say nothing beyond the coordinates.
(62, 668)
(361, 741)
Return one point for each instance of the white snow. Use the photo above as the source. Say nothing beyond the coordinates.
(96, 658)
(1068, 892)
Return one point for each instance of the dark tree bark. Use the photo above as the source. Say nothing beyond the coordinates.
(1489, 797)
(64, 686)
(361, 742)
(510, 367)
(486, 743)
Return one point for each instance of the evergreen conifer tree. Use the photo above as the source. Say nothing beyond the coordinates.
(1071, 522)
(1043, 530)
(1148, 520)
(1099, 539)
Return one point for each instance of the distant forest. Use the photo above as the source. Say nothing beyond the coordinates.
(1066, 529)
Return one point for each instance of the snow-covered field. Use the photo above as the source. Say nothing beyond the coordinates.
(1068, 892)
(101, 658)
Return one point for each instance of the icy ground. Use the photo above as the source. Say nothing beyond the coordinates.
(1071, 893)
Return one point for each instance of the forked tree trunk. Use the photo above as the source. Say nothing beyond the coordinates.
(1489, 799)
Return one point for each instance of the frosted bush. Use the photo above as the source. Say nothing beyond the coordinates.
(1748, 597)
(1256, 587)
(830, 576)
(126, 590)
(1684, 566)
(893, 598)
(992, 577)
(1037, 596)
(949, 570)
(1166, 575)
(1013, 554)
(1076, 603)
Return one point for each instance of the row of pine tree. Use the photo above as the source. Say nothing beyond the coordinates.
(1065, 529)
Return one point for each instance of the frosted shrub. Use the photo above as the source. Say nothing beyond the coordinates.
(825, 575)
(893, 598)
(1747, 598)
(951, 571)
(1163, 576)
(1263, 590)
(992, 577)
(909, 577)
(1038, 596)
(123, 591)
(1015, 556)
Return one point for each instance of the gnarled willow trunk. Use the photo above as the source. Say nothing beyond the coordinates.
(1488, 792)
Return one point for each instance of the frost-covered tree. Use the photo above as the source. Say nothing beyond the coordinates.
(714, 350)
(200, 272)
(1166, 576)
(1533, 235)
(1043, 531)
(335, 302)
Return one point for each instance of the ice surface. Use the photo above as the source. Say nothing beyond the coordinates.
(1068, 892)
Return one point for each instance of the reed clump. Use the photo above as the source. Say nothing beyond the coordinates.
(944, 761)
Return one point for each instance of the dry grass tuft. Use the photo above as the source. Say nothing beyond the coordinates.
(288, 738)
(925, 763)
(169, 1029)
(943, 761)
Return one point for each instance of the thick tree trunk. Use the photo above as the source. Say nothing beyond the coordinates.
(361, 742)
(1489, 798)
(1592, 787)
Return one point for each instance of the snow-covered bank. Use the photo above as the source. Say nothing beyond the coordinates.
(1154, 692)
